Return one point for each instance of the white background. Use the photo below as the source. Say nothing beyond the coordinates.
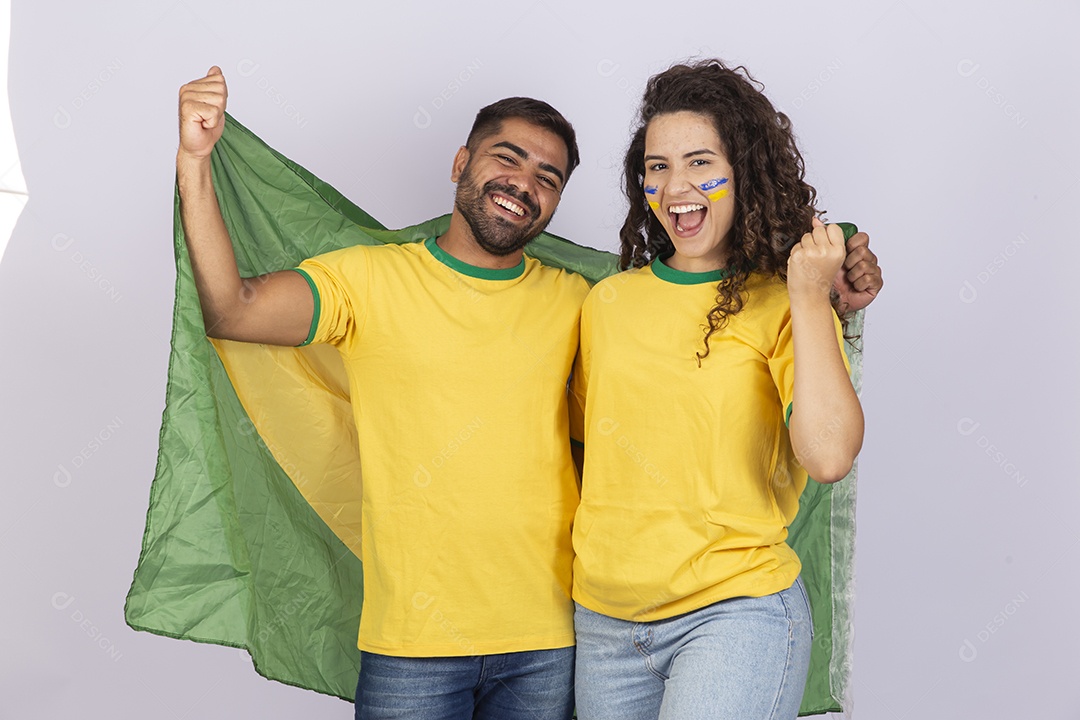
(948, 132)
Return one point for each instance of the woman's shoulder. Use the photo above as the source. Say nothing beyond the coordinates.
(766, 284)
(766, 293)
(631, 277)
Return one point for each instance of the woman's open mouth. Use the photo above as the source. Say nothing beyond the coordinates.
(687, 218)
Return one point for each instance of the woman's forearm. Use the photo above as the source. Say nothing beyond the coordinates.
(826, 424)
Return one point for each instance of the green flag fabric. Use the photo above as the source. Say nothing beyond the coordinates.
(253, 532)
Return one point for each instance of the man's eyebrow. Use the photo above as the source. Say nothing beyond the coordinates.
(520, 152)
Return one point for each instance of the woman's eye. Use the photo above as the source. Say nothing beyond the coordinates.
(657, 167)
(699, 162)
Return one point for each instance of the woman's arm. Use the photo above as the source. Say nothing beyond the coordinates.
(826, 423)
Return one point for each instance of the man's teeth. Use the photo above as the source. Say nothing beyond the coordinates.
(680, 209)
(511, 206)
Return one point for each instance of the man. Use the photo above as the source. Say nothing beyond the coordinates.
(467, 566)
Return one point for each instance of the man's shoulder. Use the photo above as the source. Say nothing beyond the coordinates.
(361, 253)
(564, 278)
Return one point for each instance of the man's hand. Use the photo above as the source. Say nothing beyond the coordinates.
(202, 114)
(859, 280)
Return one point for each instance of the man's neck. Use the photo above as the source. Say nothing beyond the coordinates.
(459, 242)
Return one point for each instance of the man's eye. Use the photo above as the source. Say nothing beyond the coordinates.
(548, 181)
(506, 159)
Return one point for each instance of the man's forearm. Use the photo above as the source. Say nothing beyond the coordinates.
(212, 259)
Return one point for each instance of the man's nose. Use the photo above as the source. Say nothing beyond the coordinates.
(521, 180)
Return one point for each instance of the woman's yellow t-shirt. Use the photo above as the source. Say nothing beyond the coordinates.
(690, 482)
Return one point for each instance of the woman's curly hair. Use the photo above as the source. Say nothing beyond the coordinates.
(773, 203)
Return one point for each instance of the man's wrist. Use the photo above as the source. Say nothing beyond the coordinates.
(193, 173)
(187, 161)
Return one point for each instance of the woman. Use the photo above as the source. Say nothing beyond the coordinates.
(712, 379)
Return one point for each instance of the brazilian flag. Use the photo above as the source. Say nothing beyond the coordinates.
(253, 533)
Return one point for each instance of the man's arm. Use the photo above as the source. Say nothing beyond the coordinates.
(276, 308)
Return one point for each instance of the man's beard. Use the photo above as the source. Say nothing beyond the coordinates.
(495, 235)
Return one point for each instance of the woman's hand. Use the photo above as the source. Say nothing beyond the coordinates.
(815, 261)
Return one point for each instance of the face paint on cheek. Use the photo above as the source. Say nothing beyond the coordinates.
(651, 190)
(716, 185)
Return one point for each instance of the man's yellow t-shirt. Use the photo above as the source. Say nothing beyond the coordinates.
(458, 384)
(690, 481)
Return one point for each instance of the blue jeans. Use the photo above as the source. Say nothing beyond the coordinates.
(738, 659)
(535, 685)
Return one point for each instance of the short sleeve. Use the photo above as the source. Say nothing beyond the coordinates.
(782, 361)
(339, 285)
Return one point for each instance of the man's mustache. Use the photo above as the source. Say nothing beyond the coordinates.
(513, 193)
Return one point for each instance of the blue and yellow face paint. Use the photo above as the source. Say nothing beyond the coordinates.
(716, 185)
(651, 190)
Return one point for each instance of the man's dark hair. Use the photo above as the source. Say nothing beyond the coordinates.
(539, 113)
